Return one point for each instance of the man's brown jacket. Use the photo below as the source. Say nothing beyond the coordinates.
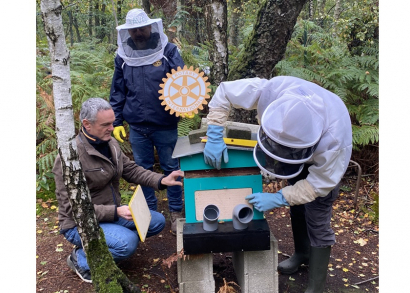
(103, 178)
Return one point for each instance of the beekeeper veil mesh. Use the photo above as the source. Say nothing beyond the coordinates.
(141, 40)
(289, 134)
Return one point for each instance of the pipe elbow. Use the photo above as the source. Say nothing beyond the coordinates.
(211, 216)
(242, 214)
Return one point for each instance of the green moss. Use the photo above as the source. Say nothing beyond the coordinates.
(106, 276)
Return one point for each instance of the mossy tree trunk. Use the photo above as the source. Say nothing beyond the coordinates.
(265, 47)
(107, 277)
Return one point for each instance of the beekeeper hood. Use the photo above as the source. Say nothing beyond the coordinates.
(289, 134)
(141, 40)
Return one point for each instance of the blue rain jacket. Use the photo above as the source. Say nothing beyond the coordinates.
(134, 93)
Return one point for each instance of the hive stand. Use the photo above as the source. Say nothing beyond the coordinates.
(255, 267)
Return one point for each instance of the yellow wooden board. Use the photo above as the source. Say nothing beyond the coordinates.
(140, 212)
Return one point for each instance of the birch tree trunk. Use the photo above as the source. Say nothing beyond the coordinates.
(336, 14)
(216, 26)
(311, 9)
(265, 47)
(105, 274)
(338, 9)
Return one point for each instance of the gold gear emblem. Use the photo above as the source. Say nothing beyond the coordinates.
(184, 91)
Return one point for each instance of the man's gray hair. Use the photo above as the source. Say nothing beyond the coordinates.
(91, 107)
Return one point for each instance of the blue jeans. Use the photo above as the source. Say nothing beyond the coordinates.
(143, 141)
(121, 237)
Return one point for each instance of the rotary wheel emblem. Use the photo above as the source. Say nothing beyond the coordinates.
(184, 91)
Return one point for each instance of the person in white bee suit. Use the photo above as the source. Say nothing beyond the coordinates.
(306, 138)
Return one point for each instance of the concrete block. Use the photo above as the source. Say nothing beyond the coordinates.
(194, 136)
(256, 271)
(197, 287)
(195, 272)
(240, 132)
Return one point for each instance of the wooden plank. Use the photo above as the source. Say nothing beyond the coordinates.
(224, 199)
(140, 212)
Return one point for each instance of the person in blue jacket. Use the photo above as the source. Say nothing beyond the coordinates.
(144, 57)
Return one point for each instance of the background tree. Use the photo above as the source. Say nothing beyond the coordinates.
(216, 27)
(234, 21)
(107, 277)
(265, 47)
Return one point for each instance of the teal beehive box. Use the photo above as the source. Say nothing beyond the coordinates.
(224, 188)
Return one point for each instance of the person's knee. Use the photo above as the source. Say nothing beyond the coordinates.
(157, 223)
(129, 246)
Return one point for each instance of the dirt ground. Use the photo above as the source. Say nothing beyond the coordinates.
(353, 267)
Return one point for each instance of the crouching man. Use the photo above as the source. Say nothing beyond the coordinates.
(103, 164)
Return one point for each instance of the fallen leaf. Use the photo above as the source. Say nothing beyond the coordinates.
(345, 270)
(361, 241)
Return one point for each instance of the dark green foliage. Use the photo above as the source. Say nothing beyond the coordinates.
(185, 125)
(91, 69)
(319, 55)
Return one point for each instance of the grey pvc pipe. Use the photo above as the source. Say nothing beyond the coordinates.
(211, 215)
(242, 214)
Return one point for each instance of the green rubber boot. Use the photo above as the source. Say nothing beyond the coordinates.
(302, 248)
(319, 260)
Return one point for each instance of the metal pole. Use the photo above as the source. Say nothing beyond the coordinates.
(359, 176)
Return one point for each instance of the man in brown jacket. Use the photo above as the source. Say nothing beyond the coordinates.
(103, 164)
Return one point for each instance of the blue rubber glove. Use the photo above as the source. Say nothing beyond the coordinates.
(267, 201)
(215, 147)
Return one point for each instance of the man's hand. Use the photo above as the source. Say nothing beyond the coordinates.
(267, 201)
(124, 212)
(118, 130)
(172, 178)
(215, 147)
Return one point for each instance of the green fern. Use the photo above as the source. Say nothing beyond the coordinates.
(91, 69)
(185, 125)
(315, 54)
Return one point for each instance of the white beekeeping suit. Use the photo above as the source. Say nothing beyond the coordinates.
(294, 114)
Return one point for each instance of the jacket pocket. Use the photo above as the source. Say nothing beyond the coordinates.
(97, 177)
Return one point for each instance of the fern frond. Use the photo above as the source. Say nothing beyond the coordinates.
(365, 134)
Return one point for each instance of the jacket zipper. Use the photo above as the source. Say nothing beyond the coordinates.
(95, 169)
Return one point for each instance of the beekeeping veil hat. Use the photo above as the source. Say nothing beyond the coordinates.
(289, 134)
(154, 50)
